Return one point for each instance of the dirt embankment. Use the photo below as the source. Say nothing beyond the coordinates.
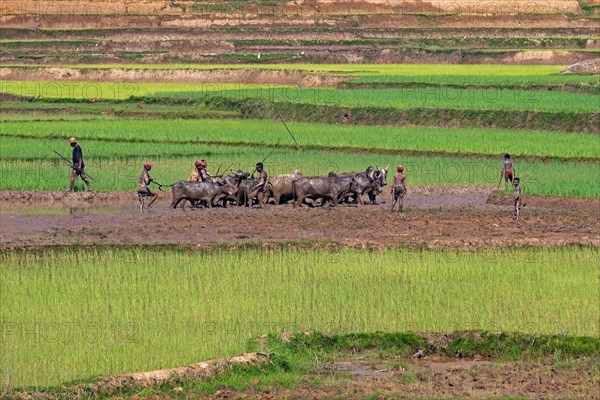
(141, 38)
(324, 6)
(288, 77)
(544, 57)
(585, 67)
(294, 44)
(373, 20)
(139, 380)
(6, 97)
(302, 54)
(187, 14)
(436, 219)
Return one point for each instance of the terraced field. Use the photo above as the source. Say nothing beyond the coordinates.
(319, 147)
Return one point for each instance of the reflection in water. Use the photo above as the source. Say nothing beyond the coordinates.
(80, 210)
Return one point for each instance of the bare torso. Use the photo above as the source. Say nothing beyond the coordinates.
(144, 180)
(399, 179)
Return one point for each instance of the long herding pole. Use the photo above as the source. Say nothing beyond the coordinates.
(288, 129)
(70, 164)
(277, 144)
(272, 150)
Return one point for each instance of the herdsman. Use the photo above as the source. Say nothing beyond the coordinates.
(399, 188)
(77, 166)
(199, 173)
(258, 190)
(518, 197)
(143, 190)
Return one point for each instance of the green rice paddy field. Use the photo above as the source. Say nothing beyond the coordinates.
(400, 98)
(315, 136)
(73, 314)
(466, 99)
(115, 149)
(114, 139)
(121, 173)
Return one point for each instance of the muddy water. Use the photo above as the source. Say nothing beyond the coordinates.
(359, 369)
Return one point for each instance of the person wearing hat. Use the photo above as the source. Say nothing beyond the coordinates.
(199, 173)
(143, 189)
(399, 188)
(77, 166)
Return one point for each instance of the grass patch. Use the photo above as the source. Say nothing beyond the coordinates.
(499, 346)
(233, 5)
(47, 43)
(588, 8)
(411, 378)
(76, 313)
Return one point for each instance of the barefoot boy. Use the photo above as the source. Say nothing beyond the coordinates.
(518, 197)
(399, 188)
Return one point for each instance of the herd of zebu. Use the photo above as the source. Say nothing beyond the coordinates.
(238, 189)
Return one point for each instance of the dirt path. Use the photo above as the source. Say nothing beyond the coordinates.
(435, 218)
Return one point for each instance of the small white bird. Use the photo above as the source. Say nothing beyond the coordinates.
(258, 56)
